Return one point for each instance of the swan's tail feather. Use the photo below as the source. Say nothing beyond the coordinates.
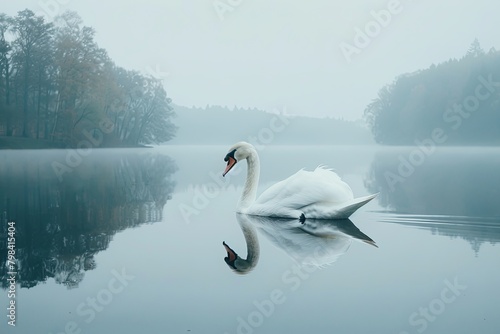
(350, 207)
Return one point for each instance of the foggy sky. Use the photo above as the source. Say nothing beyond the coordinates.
(280, 53)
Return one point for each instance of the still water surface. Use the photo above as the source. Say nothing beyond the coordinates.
(131, 241)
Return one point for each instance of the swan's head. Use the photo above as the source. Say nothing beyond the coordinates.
(239, 151)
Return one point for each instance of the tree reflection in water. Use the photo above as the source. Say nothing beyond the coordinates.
(60, 226)
(452, 192)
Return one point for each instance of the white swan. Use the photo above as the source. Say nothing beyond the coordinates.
(319, 194)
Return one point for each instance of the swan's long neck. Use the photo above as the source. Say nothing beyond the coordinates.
(250, 190)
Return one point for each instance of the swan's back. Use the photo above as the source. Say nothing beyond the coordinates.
(304, 190)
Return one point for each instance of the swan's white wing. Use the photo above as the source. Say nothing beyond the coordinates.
(304, 190)
(305, 187)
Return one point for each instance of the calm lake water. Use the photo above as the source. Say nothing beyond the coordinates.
(131, 241)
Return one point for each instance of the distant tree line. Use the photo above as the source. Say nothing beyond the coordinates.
(57, 84)
(461, 98)
(264, 128)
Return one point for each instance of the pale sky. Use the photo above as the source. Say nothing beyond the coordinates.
(276, 54)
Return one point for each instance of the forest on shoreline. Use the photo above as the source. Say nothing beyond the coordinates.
(58, 88)
(458, 99)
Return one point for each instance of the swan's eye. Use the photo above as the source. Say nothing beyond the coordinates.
(230, 155)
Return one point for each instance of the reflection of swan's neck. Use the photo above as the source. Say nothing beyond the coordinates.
(239, 265)
(252, 242)
(250, 189)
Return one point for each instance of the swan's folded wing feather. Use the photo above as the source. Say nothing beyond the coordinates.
(305, 188)
(337, 211)
(318, 194)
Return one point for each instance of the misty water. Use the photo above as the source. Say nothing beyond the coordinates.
(131, 241)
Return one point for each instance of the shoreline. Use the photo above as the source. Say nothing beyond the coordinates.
(19, 143)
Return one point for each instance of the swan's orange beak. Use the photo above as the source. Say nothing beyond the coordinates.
(231, 255)
(230, 164)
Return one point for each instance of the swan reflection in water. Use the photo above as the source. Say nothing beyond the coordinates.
(316, 242)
